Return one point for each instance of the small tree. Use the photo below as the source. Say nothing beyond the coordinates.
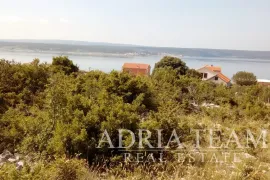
(243, 78)
(192, 73)
(64, 64)
(172, 63)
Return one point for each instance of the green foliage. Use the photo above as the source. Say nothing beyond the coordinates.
(243, 78)
(49, 111)
(11, 132)
(173, 63)
(192, 73)
(21, 83)
(63, 64)
(64, 169)
(60, 169)
(164, 75)
(130, 88)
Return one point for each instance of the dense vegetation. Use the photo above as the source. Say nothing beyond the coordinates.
(55, 114)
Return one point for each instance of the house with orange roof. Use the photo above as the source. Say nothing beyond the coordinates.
(214, 74)
(137, 68)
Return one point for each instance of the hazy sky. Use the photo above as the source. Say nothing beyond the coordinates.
(224, 24)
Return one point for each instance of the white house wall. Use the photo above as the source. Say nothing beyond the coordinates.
(210, 75)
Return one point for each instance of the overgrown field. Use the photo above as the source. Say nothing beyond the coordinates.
(54, 116)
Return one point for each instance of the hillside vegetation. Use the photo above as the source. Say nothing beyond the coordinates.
(54, 115)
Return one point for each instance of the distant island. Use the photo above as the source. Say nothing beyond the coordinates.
(69, 47)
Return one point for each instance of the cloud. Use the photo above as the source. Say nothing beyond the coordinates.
(11, 19)
(63, 20)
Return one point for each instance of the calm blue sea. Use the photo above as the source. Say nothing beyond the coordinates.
(260, 67)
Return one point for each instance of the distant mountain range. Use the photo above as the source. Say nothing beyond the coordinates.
(112, 49)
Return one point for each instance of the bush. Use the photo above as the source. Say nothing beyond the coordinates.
(173, 63)
(64, 64)
(243, 78)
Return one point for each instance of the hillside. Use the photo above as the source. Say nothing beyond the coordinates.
(84, 47)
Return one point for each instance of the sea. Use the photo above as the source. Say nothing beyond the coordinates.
(230, 66)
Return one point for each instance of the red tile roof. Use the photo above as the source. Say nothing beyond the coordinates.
(218, 71)
(213, 68)
(136, 66)
(223, 77)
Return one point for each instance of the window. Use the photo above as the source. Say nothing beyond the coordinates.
(205, 75)
(216, 78)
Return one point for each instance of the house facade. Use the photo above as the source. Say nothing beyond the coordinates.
(214, 74)
(137, 68)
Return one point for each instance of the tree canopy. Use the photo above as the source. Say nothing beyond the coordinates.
(243, 78)
(64, 64)
(172, 62)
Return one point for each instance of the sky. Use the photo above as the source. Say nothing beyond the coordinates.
(218, 24)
